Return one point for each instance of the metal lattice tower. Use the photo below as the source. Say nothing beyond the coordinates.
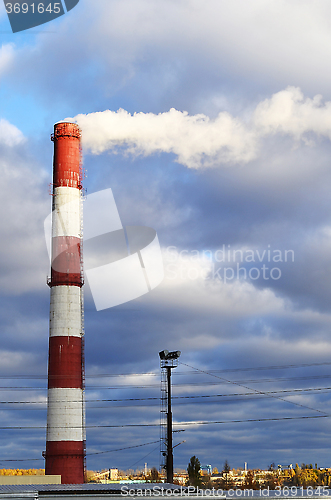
(168, 361)
(163, 420)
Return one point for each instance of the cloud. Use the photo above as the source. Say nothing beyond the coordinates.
(23, 200)
(6, 56)
(12, 361)
(200, 285)
(238, 37)
(181, 54)
(9, 134)
(199, 141)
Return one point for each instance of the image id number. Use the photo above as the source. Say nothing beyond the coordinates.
(293, 491)
(40, 8)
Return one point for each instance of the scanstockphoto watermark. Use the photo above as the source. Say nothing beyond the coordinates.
(161, 491)
(227, 264)
(187, 491)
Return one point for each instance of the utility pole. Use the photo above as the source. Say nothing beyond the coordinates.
(169, 360)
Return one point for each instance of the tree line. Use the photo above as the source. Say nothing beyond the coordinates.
(304, 476)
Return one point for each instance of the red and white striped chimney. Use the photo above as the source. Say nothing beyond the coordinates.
(65, 441)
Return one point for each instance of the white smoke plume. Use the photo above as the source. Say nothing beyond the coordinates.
(199, 141)
(195, 140)
(289, 112)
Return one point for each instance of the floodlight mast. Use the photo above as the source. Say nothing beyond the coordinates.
(169, 360)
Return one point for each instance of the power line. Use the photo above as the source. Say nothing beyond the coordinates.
(87, 454)
(255, 390)
(20, 459)
(143, 457)
(202, 422)
(194, 370)
(208, 422)
(281, 391)
(121, 449)
(196, 384)
(272, 367)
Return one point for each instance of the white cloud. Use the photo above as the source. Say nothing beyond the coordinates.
(9, 134)
(286, 42)
(6, 56)
(193, 284)
(13, 361)
(174, 49)
(23, 254)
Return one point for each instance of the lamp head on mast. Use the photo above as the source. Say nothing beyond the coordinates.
(169, 358)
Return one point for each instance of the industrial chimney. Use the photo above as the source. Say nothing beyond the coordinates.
(65, 441)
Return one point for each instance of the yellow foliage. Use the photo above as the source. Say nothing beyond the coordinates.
(22, 472)
(308, 477)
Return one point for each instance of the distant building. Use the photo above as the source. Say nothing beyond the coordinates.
(113, 474)
(206, 470)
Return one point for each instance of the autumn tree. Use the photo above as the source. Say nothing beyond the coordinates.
(250, 482)
(271, 481)
(153, 476)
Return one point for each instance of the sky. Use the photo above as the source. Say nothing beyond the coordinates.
(211, 123)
